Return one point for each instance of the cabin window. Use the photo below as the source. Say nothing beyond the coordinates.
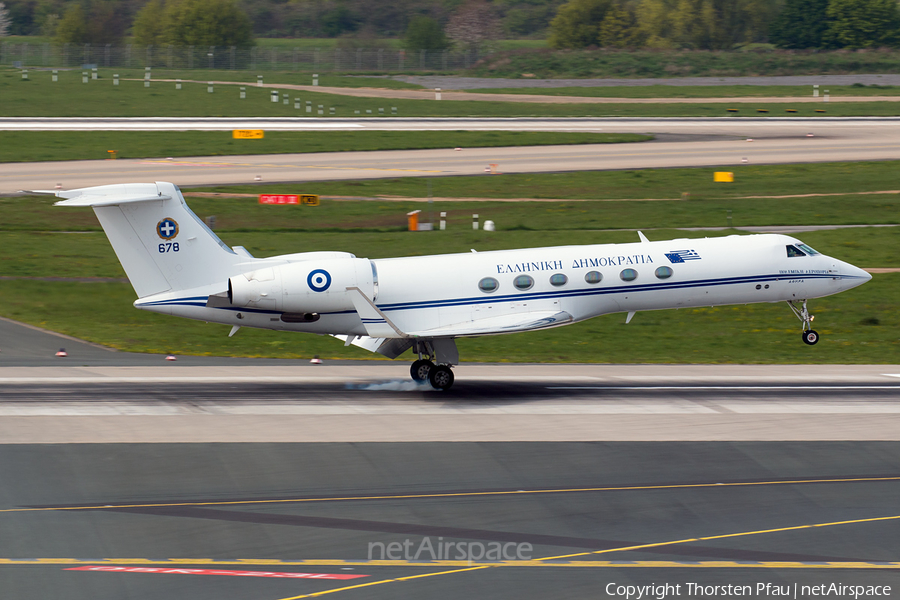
(593, 277)
(793, 251)
(628, 275)
(664, 272)
(558, 279)
(523, 282)
(807, 249)
(488, 285)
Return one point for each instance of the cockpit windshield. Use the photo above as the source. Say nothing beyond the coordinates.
(800, 250)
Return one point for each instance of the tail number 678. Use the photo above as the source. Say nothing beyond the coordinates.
(168, 247)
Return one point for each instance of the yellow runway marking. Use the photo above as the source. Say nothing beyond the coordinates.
(723, 536)
(459, 494)
(343, 589)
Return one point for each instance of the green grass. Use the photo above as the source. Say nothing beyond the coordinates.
(56, 254)
(250, 77)
(69, 97)
(30, 146)
(859, 326)
(102, 313)
(712, 91)
(750, 180)
(608, 204)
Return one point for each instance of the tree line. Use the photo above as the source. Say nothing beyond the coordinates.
(463, 24)
(724, 24)
(366, 19)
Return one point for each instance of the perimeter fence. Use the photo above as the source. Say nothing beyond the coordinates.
(234, 58)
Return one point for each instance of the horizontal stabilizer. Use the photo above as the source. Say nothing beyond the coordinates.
(529, 321)
(106, 195)
(108, 200)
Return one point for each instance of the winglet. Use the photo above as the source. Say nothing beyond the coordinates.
(376, 322)
(643, 237)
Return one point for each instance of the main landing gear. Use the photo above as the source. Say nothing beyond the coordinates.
(424, 369)
(810, 337)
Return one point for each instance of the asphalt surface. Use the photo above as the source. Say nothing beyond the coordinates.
(98, 502)
(616, 513)
(22, 345)
(726, 144)
(127, 477)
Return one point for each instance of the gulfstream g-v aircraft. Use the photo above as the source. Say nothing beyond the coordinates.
(179, 267)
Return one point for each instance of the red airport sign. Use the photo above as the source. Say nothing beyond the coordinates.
(307, 199)
(279, 199)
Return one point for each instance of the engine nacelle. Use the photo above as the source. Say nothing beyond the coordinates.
(313, 286)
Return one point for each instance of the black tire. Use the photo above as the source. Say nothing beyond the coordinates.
(810, 337)
(441, 377)
(420, 369)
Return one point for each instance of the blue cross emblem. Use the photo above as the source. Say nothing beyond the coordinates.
(167, 228)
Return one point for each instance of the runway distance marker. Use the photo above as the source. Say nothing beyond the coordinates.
(458, 494)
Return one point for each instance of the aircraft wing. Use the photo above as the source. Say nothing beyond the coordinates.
(393, 347)
(379, 325)
(528, 321)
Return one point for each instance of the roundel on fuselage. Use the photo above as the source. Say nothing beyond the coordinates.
(319, 280)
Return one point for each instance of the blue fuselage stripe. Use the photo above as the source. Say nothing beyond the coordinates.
(200, 301)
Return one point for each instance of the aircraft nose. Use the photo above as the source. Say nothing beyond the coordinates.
(852, 276)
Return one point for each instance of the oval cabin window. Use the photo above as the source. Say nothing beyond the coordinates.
(664, 272)
(558, 280)
(523, 282)
(488, 285)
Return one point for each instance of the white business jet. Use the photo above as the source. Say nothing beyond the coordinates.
(179, 267)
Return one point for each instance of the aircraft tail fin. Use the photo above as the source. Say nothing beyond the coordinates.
(162, 245)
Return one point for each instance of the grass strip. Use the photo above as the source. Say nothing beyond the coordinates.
(60, 254)
(69, 97)
(857, 327)
(607, 201)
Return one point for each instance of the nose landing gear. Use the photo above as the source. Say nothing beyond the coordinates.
(810, 337)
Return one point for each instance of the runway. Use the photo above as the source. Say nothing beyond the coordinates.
(129, 477)
(230, 479)
(563, 520)
(377, 402)
(720, 144)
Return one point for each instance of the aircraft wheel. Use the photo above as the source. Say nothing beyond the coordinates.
(441, 377)
(420, 369)
(810, 337)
